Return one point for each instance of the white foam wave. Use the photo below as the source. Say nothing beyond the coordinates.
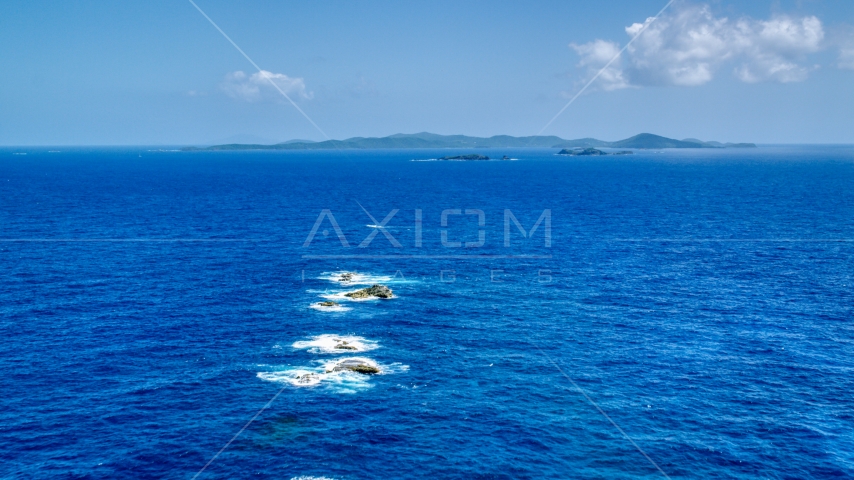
(356, 278)
(334, 308)
(329, 343)
(327, 375)
(338, 382)
(393, 368)
(298, 377)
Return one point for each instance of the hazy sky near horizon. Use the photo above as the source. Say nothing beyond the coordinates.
(156, 72)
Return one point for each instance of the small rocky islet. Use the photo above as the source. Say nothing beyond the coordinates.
(307, 378)
(355, 365)
(344, 345)
(472, 156)
(579, 152)
(378, 291)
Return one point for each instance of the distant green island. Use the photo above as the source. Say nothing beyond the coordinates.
(472, 156)
(432, 140)
(590, 152)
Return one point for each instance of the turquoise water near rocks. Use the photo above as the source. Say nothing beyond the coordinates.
(151, 303)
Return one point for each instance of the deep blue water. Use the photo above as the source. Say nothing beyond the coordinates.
(702, 299)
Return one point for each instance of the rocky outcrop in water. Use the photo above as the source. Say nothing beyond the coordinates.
(379, 291)
(575, 152)
(307, 378)
(346, 277)
(343, 345)
(328, 304)
(472, 156)
(356, 365)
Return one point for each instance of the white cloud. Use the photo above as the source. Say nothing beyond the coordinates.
(683, 48)
(689, 44)
(775, 47)
(846, 53)
(597, 54)
(257, 86)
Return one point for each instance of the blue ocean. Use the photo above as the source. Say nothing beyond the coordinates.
(676, 313)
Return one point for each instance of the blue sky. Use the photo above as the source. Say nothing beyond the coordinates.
(156, 72)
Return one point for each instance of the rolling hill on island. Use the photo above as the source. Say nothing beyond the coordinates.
(432, 140)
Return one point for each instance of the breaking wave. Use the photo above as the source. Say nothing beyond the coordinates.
(337, 344)
(334, 308)
(356, 278)
(338, 376)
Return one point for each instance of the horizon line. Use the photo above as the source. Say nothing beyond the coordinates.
(129, 145)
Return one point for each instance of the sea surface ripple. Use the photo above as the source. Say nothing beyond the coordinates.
(702, 299)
